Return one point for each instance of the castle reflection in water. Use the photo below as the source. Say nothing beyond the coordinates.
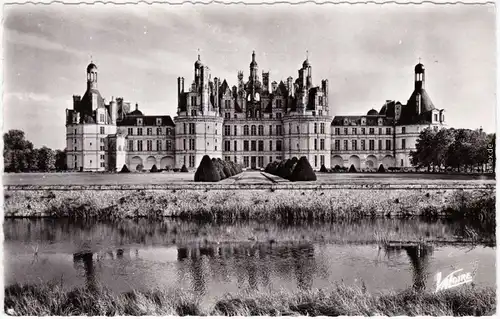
(252, 264)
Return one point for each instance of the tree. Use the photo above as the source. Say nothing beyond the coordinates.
(61, 164)
(46, 159)
(423, 156)
(16, 151)
(302, 171)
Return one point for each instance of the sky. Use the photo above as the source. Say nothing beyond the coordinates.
(367, 52)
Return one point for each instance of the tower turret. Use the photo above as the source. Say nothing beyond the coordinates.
(254, 67)
(92, 76)
(419, 76)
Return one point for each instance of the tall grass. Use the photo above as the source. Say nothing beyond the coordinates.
(341, 300)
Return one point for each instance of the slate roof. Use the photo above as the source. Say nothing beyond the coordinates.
(147, 120)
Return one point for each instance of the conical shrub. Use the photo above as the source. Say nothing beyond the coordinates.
(352, 169)
(219, 168)
(323, 169)
(289, 166)
(124, 169)
(206, 172)
(184, 169)
(154, 169)
(303, 171)
(381, 169)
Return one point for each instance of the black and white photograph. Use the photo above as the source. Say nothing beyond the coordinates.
(211, 159)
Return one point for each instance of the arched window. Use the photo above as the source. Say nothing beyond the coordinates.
(261, 130)
(245, 130)
(254, 130)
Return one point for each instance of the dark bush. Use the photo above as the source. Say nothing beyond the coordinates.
(352, 169)
(184, 169)
(139, 168)
(303, 171)
(206, 172)
(226, 169)
(381, 169)
(167, 168)
(218, 168)
(125, 169)
(323, 169)
(154, 169)
(175, 169)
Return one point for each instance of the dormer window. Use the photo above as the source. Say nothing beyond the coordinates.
(345, 121)
(158, 121)
(139, 121)
(380, 121)
(363, 121)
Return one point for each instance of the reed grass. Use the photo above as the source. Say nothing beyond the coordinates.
(341, 300)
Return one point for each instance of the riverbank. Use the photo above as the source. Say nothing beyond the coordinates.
(53, 300)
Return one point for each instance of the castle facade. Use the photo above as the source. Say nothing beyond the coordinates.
(254, 122)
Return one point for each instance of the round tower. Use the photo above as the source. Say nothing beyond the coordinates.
(419, 76)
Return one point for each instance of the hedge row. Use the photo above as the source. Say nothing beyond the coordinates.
(215, 169)
(292, 169)
(154, 169)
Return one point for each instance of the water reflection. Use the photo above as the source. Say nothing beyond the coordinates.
(419, 255)
(251, 264)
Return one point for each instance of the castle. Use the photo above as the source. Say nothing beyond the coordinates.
(253, 123)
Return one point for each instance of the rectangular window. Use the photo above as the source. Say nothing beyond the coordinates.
(270, 159)
(185, 128)
(346, 131)
(139, 146)
(260, 161)
(270, 145)
(320, 100)
(315, 128)
(315, 144)
(150, 131)
(184, 144)
(372, 145)
(322, 128)
(191, 144)
(363, 131)
(193, 112)
(169, 131)
(363, 145)
(235, 130)
(278, 103)
(193, 102)
(278, 130)
(337, 145)
(278, 145)
(403, 144)
(139, 131)
(169, 145)
(235, 146)
(245, 146)
(261, 130)
(270, 130)
(379, 131)
(192, 128)
(354, 131)
(130, 145)
(227, 130)
(235, 159)
(191, 160)
(271, 115)
(227, 104)
(101, 130)
(337, 131)
(372, 131)
(149, 145)
(103, 164)
(158, 145)
(346, 145)
(354, 145)
(322, 144)
(245, 161)
(246, 131)
(322, 160)
(435, 117)
(315, 160)
(101, 117)
(227, 146)
(158, 131)
(101, 147)
(380, 144)
(388, 131)
(227, 158)
(261, 146)
(403, 130)
(388, 145)
(102, 156)
(253, 145)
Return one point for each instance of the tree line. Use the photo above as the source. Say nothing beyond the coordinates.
(20, 156)
(460, 150)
